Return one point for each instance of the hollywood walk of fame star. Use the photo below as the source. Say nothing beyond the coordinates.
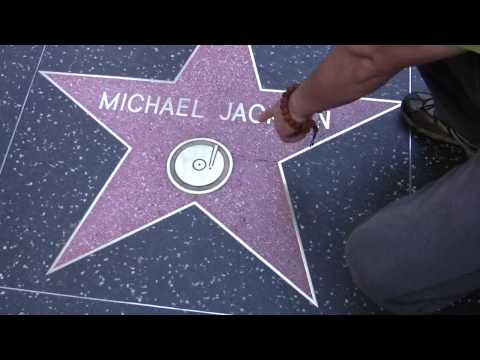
(216, 96)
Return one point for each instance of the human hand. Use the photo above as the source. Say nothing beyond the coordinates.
(286, 133)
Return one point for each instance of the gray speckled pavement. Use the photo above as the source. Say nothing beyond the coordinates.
(243, 250)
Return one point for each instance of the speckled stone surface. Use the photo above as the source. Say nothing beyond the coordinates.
(336, 187)
(17, 67)
(61, 157)
(252, 204)
(161, 62)
(22, 302)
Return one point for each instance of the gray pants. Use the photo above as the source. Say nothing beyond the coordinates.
(422, 252)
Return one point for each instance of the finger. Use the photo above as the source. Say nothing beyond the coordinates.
(267, 114)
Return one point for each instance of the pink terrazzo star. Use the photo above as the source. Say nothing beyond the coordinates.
(152, 117)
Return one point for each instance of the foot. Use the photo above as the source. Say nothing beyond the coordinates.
(418, 112)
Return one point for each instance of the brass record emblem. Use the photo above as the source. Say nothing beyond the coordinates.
(199, 166)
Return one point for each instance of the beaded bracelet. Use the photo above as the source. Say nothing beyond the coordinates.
(301, 128)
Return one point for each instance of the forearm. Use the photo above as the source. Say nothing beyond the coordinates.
(347, 75)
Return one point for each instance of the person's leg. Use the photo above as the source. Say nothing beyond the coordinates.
(422, 252)
(455, 86)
